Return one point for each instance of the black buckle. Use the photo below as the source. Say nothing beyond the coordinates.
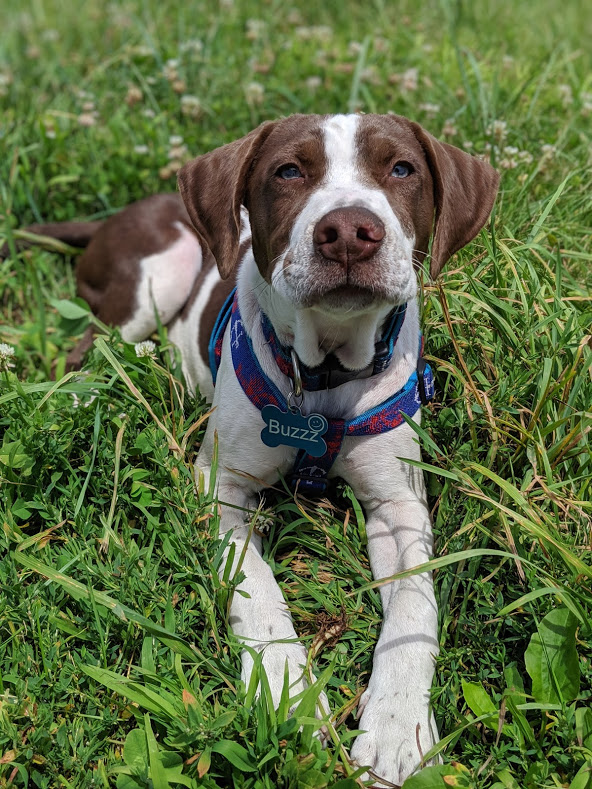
(307, 485)
(423, 395)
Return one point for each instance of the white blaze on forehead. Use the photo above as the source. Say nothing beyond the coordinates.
(344, 184)
(339, 132)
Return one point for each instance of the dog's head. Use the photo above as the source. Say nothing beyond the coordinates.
(341, 207)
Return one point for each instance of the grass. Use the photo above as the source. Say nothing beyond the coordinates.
(115, 661)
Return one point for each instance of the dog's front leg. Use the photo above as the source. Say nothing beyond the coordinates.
(259, 616)
(394, 711)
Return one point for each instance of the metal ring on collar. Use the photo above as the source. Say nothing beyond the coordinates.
(297, 377)
(297, 405)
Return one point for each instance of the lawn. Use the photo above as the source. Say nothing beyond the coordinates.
(116, 666)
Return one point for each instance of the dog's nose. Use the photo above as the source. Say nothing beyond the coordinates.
(348, 235)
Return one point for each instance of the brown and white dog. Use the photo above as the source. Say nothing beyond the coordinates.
(321, 221)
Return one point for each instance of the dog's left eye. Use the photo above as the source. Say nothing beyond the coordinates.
(401, 170)
(288, 172)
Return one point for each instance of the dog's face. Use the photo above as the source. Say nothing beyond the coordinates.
(341, 207)
(338, 206)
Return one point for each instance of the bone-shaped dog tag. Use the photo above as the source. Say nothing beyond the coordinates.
(292, 429)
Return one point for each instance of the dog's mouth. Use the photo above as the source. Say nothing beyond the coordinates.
(348, 298)
(356, 286)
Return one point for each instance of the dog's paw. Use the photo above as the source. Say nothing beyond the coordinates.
(275, 658)
(399, 730)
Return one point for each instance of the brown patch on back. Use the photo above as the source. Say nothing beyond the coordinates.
(108, 272)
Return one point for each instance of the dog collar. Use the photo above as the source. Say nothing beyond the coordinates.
(310, 471)
(331, 373)
(328, 375)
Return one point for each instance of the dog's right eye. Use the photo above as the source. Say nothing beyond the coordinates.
(288, 172)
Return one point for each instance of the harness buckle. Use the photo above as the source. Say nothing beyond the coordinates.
(423, 394)
(308, 485)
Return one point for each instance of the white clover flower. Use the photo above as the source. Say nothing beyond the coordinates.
(508, 163)
(5, 82)
(312, 83)
(321, 32)
(50, 35)
(142, 50)
(87, 119)
(141, 150)
(369, 74)
(6, 353)
(191, 106)
(565, 94)
(498, 129)
(145, 348)
(254, 92)
(49, 128)
(170, 70)
(192, 45)
(178, 152)
(430, 109)
(175, 139)
(133, 95)
(449, 129)
(409, 79)
(255, 29)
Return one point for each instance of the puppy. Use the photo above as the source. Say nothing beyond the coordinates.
(320, 223)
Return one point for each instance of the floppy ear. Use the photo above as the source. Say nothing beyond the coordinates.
(464, 193)
(213, 187)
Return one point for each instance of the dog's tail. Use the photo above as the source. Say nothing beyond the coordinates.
(74, 234)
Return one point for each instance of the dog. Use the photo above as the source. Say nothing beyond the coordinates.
(320, 223)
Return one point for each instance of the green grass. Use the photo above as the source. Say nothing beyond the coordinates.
(112, 617)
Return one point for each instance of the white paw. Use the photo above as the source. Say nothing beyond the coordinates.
(275, 658)
(399, 730)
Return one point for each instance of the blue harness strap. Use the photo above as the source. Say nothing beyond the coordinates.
(309, 473)
(217, 336)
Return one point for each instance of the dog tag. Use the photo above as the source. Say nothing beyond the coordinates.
(292, 429)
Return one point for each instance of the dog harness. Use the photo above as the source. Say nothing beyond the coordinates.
(310, 471)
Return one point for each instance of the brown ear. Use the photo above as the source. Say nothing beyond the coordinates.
(213, 187)
(464, 193)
